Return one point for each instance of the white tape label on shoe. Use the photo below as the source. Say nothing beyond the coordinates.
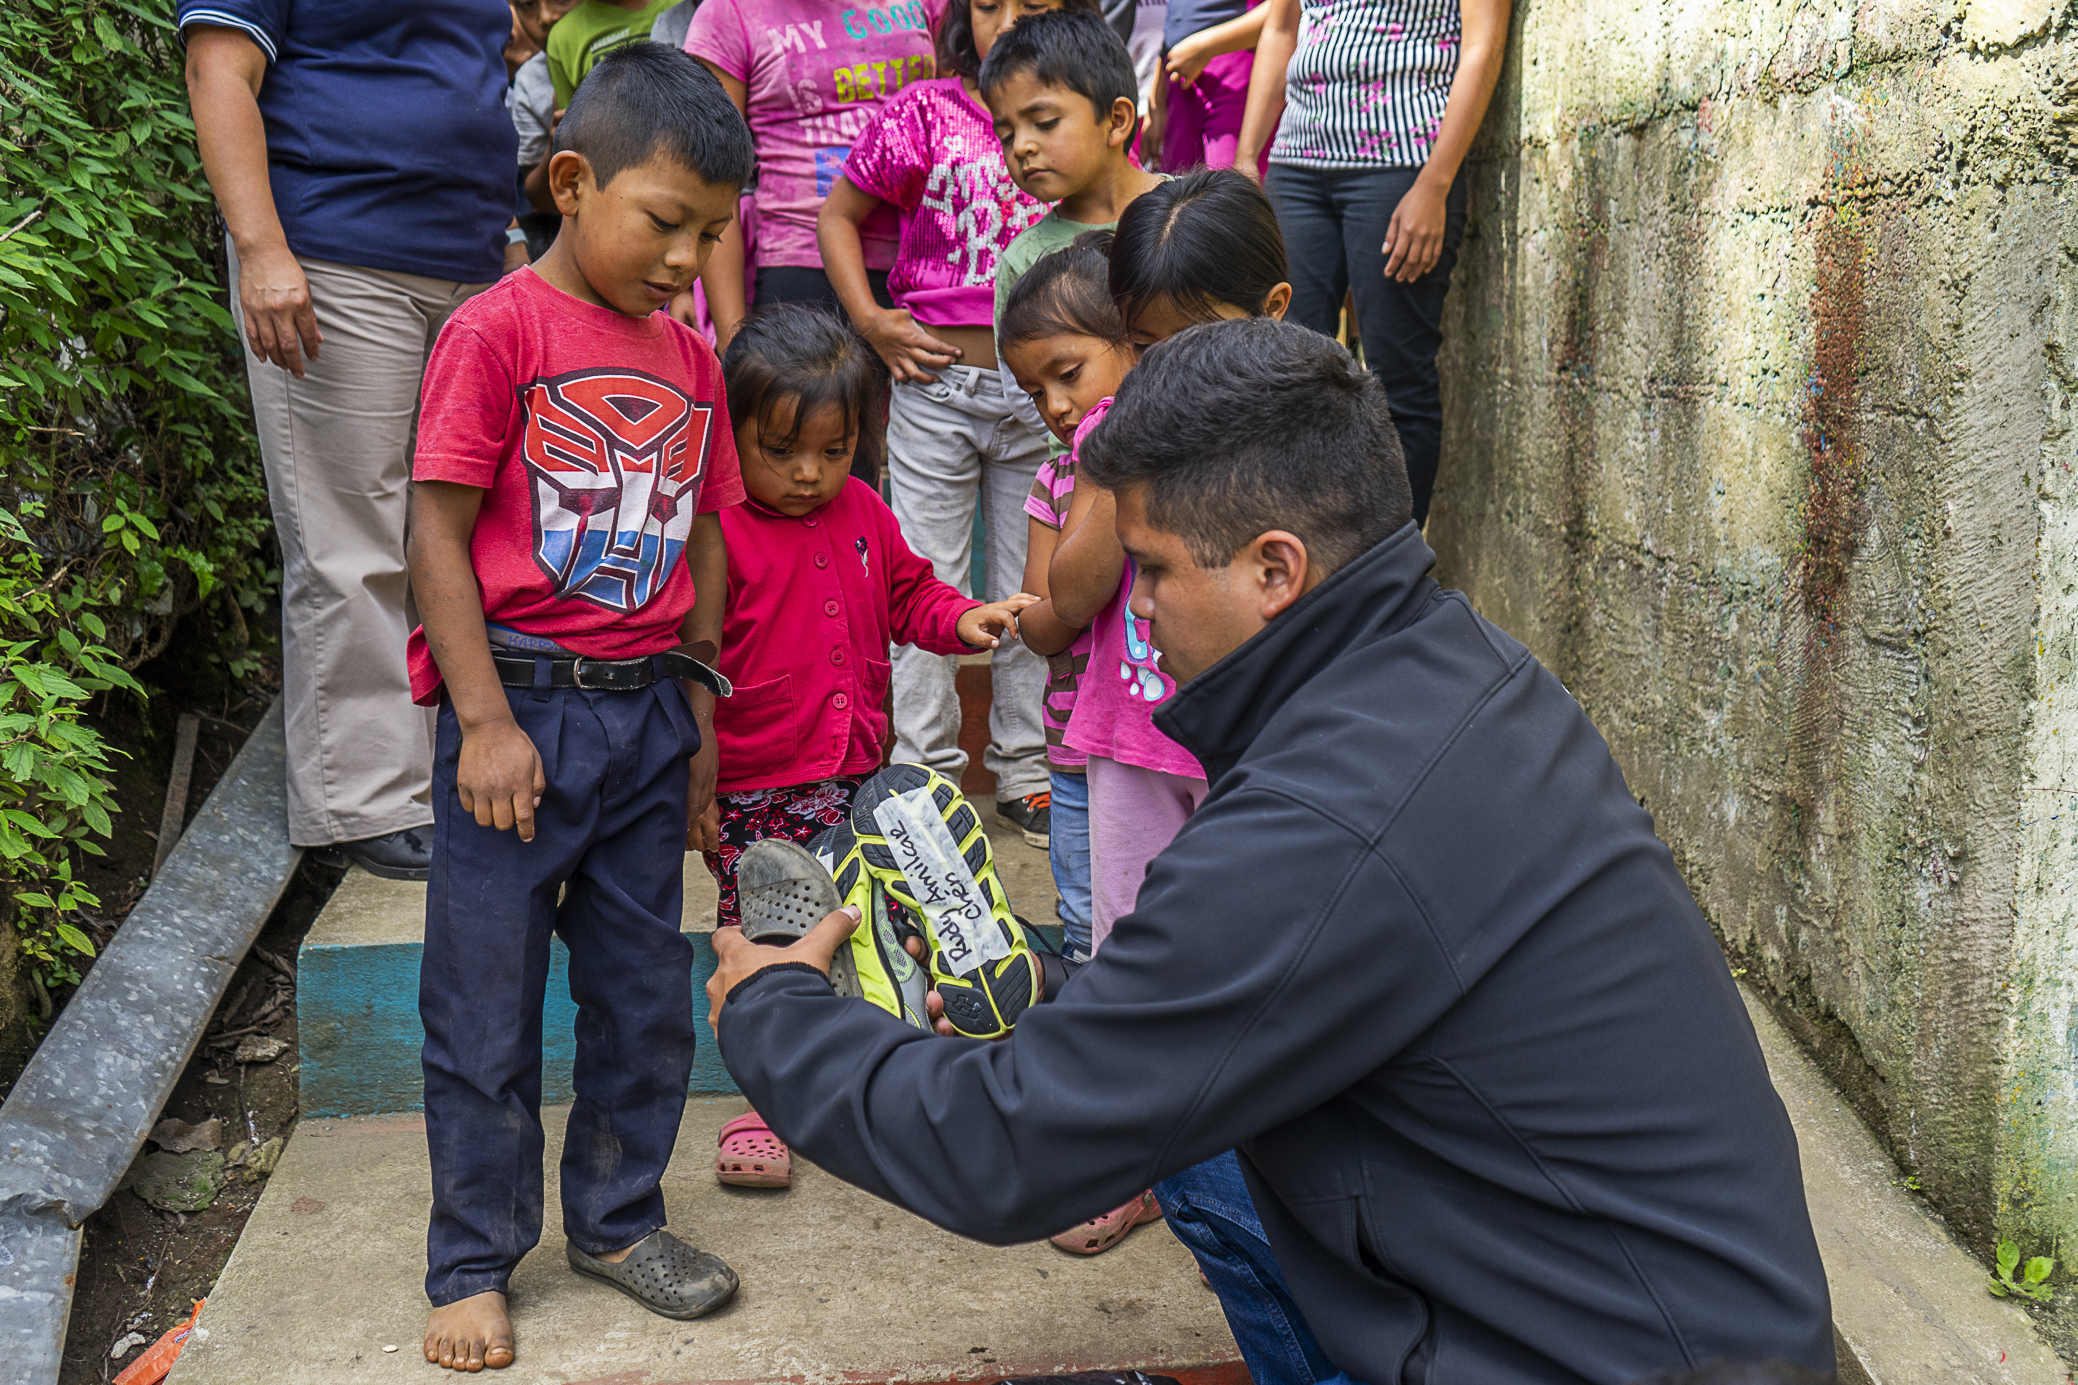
(930, 861)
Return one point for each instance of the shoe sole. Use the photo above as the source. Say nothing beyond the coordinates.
(889, 977)
(782, 893)
(392, 872)
(982, 999)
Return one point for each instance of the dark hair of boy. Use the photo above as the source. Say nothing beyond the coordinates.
(956, 51)
(1207, 238)
(1075, 49)
(1065, 293)
(797, 351)
(1238, 427)
(646, 99)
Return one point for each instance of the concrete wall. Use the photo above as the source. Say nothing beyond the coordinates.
(1759, 396)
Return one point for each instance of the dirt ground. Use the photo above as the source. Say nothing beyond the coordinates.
(141, 1269)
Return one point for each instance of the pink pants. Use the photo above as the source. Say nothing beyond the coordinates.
(1134, 813)
(1204, 118)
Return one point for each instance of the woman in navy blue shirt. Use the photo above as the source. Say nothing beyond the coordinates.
(1379, 102)
(362, 157)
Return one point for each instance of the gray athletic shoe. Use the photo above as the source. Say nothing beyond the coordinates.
(664, 1275)
(782, 893)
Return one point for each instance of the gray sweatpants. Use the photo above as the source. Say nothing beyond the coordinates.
(951, 445)
(337, 448)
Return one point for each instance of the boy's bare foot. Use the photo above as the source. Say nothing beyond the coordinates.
(470, 1333)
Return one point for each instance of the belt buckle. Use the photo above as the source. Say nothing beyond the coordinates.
(577, 680)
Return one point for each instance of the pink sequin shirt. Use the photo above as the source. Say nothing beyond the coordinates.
(932, 153)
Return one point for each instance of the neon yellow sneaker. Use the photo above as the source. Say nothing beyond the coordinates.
(887, 975)
(923, 842)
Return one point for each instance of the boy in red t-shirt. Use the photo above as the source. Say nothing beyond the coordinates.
(573, 450)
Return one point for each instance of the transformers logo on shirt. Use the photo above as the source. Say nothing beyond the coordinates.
(615, 458)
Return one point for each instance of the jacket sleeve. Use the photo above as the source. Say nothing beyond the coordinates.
(1274, 961)
(922, 610)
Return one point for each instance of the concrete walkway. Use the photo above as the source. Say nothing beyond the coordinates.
(837, 1286)
(1909, 1304)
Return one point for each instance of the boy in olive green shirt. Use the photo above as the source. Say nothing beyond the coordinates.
(591, 31)
(1064, 95)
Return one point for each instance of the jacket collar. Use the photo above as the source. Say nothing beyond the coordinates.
(1218, 714)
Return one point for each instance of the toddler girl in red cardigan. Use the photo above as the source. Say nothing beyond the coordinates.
(820, 583)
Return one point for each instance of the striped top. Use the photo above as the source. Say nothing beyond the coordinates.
(1368, 82)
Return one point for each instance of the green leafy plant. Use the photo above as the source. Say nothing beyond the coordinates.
(130, 490)
(2031, 1285)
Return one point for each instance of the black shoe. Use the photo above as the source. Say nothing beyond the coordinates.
(1033, 815)
(405, 855)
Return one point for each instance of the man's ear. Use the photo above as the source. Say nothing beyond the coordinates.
(1278, 301)
(568, 172)
(1279, 567)
(1124, 122)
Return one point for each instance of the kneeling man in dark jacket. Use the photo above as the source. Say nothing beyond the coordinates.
(1419, 957)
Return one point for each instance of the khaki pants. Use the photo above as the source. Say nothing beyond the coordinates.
(953, 445)
(337, 447)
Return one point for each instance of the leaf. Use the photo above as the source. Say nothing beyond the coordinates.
(2039, 1269)
(2008, 1256)
(37, 898)
(76, 940)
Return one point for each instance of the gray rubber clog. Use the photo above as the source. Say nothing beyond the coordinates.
(664, 1275)
(782, 893)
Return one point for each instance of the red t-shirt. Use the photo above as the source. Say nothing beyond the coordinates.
(596, 438)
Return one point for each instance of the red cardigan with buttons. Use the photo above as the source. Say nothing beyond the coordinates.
(813, 604)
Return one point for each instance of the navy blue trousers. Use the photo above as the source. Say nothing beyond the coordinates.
(609, 838)
(1334, 224)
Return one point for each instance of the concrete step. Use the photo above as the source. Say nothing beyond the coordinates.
(837, 1286)
(357, 984)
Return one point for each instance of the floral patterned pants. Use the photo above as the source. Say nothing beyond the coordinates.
(797, 813)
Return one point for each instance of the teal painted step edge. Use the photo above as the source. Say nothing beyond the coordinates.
(357, 1013)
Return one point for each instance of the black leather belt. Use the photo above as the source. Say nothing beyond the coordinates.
(516, 670)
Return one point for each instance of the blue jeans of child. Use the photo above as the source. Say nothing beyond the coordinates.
(610, 828)
(1210, 1211)
(1334, 222)
(1069, 855)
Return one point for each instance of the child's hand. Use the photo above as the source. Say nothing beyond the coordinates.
(499, 778)
(702, 813)
(704, 831)
(986, 627)
(911, 353)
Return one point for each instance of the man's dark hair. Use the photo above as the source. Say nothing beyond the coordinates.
(956, 50)
(1075, 49)
(1238, 427)
(646, 99)
(1207, 238)
(1064, 294)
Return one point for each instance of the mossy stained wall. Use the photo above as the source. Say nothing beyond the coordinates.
(1760, 369)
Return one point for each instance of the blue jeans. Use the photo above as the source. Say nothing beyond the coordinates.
(1070, 856)
(1210, 1211)
(609, 836)
(1334, 222)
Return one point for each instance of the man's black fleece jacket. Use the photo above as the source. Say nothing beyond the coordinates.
(1421, 958)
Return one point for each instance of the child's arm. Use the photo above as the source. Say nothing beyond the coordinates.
(1039, 625)
(1188, 58)
(1274, 47)
(911, 352)
(986, 627)
(707, 556)
(723, 276)
(499, 777)
(1088, 564)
